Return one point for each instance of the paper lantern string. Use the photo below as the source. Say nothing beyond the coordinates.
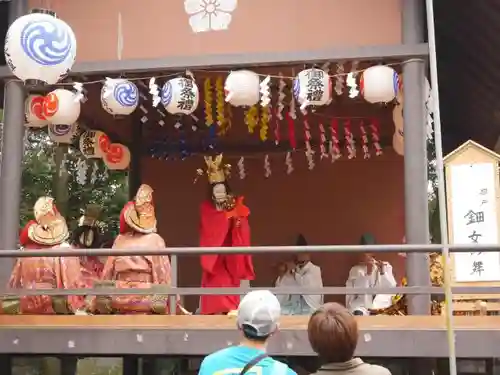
(79, 95)
(374, 127)
(349, 140)
(264, 122)
(364, 141)
(220, 104)
(339, 79)
(241, 168)
(281, 98)
(289, 163)
(252, 118)
(291, 131)
(81, 171)
(265, 92)
(322, 144)
(208, 96)
(335, 153)
(277, 132)
(353, 86)
(267, 167)
(154, 91)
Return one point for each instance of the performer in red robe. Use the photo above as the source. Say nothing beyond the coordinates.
(224, 222)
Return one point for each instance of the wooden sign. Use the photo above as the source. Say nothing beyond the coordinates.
(473, 211)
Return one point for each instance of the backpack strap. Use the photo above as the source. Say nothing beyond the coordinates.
(253, 362)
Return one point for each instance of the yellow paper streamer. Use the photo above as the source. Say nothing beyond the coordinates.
(229, 117)
(220, 106)
(264, 123)
(208, 95)
(252, 118)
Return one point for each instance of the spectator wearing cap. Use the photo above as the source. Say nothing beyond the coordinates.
(258, 319)
(333, 335)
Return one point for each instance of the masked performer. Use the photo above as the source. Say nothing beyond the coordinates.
(48, 230)
(88, 236)
(137, 231)
(224, 222)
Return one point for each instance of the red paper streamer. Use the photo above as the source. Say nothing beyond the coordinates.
(277, 136)
(364, 140)
(291, 132)
(374, 127)
(334, 143)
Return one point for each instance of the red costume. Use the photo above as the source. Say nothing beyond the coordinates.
(223, 223)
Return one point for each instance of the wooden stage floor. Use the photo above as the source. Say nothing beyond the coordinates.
(380, 336)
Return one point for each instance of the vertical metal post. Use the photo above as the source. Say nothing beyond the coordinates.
(415, 161)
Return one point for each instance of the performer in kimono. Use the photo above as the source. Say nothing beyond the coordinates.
(137, 231)
(47, 231)
(301, 272)
(370, 273)
(224, 222)
(88, 236)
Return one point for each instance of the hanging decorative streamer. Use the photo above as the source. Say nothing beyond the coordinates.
(241, 168)
(374, 127)
(95, 170)
(212, 138)
(267, 167)
(265, 92)
(335, 153)
(339, 79)
(289, 163)
(291, 131)
(277, 132)
(105, 174)
(229, 117)
(79, 96)
(154, 91)
(349, 140)
(220, 104)
(309, 151)
(322, 144)
(281, 98)
(353, 86)
(326, 69)
(264, 122)
(81, 171)
(252, 118)
(209, 97)
(364, 140)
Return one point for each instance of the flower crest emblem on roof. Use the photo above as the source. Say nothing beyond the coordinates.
(209, 15)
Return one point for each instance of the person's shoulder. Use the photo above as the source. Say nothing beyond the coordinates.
(215, 356)
(281, 368)
(375, 369)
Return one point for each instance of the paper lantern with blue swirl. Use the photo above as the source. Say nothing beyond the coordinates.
(63, 133)
(379, 84)
(40, 47)
(314, 81)
(119, 97)
(180, 96)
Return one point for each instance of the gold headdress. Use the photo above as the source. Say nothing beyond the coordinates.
(140, 214)
(51, 228)
(216, 172)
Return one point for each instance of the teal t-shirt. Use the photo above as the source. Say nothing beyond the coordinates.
(232, 360)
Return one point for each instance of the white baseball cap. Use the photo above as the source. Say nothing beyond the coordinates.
(261, 311)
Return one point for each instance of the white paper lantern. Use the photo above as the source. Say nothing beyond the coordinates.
(39, 46)
(63, 133)
(33, 110)
(119, 96)
(379, 84)
(242, 88)
(180, 96)
(312, 87)
(61, 107)
(94, 144)
(117, 157)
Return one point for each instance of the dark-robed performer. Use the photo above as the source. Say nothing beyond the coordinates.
(224, 223)
(88, 236)
(47, 231)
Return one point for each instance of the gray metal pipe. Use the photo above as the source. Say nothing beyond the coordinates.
(407, 248)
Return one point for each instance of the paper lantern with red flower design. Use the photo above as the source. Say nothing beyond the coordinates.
(379, 84)
(61, 107)
(33, 109)
(117, 157)
(94, 144)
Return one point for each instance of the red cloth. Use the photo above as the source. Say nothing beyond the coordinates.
(24, 240)
(221, 228)
(124, 227)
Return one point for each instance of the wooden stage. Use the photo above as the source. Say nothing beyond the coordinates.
(380, 336)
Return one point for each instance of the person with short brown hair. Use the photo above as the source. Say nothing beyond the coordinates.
(333, 335)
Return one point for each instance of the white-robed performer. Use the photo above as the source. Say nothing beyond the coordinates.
(370, 273)
(300, 272)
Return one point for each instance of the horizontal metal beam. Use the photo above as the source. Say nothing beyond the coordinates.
(408, 248)
(384, 342)
(197, 291)
(254, 58)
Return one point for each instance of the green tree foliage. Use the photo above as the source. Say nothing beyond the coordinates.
(109, 189)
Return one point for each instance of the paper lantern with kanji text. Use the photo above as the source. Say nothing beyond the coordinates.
(33, 110)
(94, 144)
(40, 47)
(312, 87)
(117, 157)
(379, 84)
(119, 96)
(61, 107)
(180, 96)
(242, 88)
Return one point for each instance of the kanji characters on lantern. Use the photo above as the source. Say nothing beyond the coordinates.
(94, 144)
(312, 87)
(180, 96)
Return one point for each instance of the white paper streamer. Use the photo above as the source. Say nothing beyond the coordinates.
(81, 172)
(281, 97)
(310, 159)
(292, 111)
(154, 91)
(353, 86)
(78, 87)
(265, 93)
(289, 163)
(267, 167)
(93, 176)
(339, 79)
(241, 168)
